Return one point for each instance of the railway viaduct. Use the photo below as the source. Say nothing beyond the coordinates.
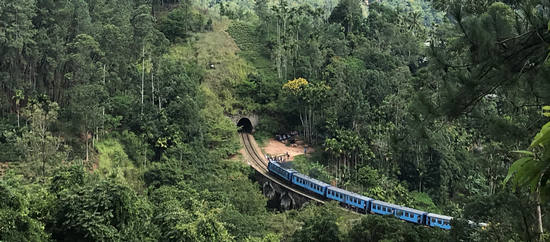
(281, 195)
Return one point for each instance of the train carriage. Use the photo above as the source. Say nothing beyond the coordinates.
(336, 194)
(309, 183)
(348, 198)
(438, 220)
(411, 215)
(279, 170)
(382, 208)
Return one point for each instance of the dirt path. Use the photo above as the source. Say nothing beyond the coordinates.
(274, 147)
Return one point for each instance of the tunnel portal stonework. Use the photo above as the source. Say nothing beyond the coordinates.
(252, 117)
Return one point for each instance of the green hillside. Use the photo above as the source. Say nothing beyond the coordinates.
(115, 118)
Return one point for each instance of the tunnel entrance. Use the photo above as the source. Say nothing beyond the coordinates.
(245, 125)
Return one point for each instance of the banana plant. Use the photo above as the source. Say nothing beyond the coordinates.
(531, 171)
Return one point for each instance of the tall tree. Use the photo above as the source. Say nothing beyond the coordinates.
(39, 144)
(531, 171)
(86, 109)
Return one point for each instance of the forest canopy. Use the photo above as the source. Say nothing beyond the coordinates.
(115, 117)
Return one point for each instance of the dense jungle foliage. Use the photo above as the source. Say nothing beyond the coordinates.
(114, 117)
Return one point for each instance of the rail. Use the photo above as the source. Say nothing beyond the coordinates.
(259, 163)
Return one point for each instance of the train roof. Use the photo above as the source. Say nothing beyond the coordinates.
(391, 205)
(435, 215)
(412, 210)
(406, 209)
(353, 194)
(282, 167)
(300, 175)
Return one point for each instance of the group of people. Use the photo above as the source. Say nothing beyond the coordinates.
(279, 158)
(284, 137)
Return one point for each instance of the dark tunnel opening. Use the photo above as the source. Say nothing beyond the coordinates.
(245, 125)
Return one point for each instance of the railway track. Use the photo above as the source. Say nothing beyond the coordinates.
(259, 163)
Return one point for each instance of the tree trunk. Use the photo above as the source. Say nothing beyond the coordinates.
(539, 215)
(142, 76)
(153, 88)
(87, 147)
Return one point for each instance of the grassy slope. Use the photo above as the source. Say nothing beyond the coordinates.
(251, 48)
(219, 49)
(113, 160)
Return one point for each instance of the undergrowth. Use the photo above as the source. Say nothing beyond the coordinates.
(251, 47)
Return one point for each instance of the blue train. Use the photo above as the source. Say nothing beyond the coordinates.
(358, 202)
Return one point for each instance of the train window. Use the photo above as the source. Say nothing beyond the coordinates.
(433, 220)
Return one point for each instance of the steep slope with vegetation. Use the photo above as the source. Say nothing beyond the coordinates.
(113, 117)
